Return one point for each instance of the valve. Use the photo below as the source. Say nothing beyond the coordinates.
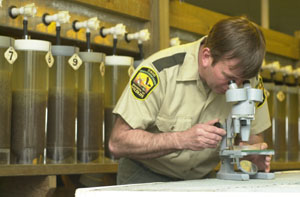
(118, 30)
(28, 10)
(90, 24)
(286, 70)
(59, 18)
(174, 41)
(140, 36)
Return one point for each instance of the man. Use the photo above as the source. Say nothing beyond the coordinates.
(164, 130)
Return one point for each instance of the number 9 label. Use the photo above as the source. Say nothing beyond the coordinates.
(75, 61)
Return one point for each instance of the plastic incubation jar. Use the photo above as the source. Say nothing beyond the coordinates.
(90, 107)
(118, 70)
(5, 98)
(29, 101)
(62, 106)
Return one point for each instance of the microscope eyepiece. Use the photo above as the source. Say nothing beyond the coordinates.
(246, 81)
(231, 82)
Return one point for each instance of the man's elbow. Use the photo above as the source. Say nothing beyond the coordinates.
(113, 149)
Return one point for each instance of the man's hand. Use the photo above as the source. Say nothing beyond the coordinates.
(263, 162)
(201, 136)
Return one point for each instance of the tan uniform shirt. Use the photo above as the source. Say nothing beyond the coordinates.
(174, 98)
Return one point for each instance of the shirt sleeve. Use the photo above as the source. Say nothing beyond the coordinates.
(262, 116)
(140, 101)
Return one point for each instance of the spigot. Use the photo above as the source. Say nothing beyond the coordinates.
(286, 70)
(60, 18)
(273, 67)
(296, 73)
(174, 41)
(140, 36)
(90, 24)
(118, 30)
(28, 10)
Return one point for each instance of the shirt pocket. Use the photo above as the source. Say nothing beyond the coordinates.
(172, 124)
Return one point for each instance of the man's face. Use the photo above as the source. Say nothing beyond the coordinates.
(218, 76)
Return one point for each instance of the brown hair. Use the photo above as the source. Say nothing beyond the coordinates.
(237, 38)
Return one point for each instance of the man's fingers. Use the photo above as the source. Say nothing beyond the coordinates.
(212, 122)
(258, 146)
(263, 146)
(211, 129)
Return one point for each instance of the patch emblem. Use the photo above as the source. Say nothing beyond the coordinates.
(143, 83)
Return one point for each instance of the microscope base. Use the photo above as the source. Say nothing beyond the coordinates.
(227, 172)
(239, 176)
(233, 176)
(263, 175)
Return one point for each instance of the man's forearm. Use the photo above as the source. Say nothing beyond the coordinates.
(140, 144)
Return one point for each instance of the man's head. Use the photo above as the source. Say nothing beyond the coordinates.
(235, 45)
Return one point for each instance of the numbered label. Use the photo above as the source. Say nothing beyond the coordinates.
(130, 71)
(49, 59)
(11, 55)
(280, 96)
(75, 61)
(102, 69)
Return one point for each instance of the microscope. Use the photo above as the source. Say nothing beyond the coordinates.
(239, 123)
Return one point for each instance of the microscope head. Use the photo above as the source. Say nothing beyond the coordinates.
(243, 109)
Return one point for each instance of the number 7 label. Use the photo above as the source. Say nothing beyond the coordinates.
(11, 55)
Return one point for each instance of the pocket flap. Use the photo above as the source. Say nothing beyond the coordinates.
(173, 124)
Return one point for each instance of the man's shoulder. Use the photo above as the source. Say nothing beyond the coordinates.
(172, 56)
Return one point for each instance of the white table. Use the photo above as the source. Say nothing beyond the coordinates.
(285, 182)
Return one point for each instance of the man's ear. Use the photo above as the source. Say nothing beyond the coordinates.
(206, 57)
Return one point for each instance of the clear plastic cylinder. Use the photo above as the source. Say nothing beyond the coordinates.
(62, 107)
(292, 116)
(90, 108)
(29, 102)
(279, 122)
(268, 136)
(117, 75)
(298, 121)
(5, 100)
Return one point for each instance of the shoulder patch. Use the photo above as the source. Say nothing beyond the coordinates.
(143, 82)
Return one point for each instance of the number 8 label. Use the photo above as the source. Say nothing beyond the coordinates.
(49, 59)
